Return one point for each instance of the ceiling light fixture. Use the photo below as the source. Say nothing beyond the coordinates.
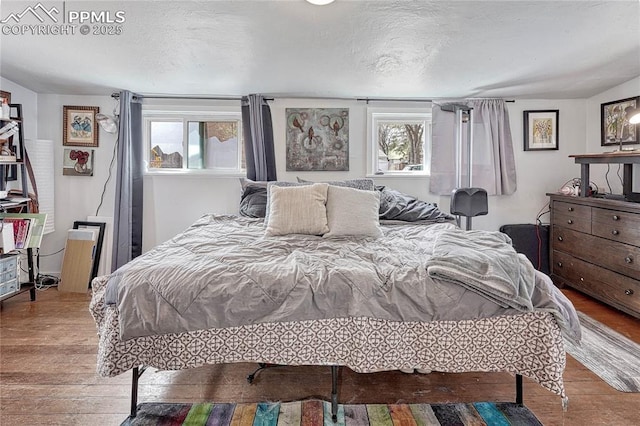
(320, 2)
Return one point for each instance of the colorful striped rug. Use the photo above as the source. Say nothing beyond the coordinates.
(318, 413)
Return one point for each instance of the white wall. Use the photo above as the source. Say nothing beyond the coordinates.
(76, 197)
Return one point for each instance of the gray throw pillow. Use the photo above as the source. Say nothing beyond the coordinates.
(297, 210)
(352, 212)
(364, 184)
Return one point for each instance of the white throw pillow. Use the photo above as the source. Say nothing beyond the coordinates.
(297, 210)
(353, 212)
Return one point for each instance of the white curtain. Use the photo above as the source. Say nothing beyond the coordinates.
(492, 165)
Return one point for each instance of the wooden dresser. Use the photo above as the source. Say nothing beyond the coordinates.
(595, 248)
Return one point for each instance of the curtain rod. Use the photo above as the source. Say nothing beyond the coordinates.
(116, 95)
(409, 100)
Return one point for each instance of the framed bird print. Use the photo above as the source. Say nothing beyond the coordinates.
(317, 139)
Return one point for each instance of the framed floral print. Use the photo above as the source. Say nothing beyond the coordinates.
(541, 130)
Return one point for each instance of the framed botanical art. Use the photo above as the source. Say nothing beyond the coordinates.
(541, 130)
(616, 129)
(79, 126)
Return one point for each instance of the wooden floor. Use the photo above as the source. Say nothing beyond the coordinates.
(48, 356)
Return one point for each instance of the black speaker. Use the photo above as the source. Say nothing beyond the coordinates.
(532, 241)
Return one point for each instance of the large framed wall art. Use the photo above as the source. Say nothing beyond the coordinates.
(317, 139)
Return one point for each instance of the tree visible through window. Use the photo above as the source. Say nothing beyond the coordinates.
(402, 144)
(399, 140)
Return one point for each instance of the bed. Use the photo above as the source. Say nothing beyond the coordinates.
(421, 294)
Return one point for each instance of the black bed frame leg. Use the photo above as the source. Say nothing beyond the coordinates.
(519, 389)
(334, 393)
(136, 373)
(134, 392)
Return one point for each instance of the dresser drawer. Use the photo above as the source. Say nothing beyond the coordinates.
(568, 220)
(574, 216)
(608, 286)
(616, 226)
(619, 257)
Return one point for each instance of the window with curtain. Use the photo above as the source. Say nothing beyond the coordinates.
(194, 143)
(399, 141)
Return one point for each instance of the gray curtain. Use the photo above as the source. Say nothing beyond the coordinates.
(258, 139)
(127, 223)
(493, 165)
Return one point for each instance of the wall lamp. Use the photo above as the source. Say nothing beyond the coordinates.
(109, 123)
(633, 114)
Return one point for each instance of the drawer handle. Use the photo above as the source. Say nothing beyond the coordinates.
(570, 221)
(615, 232)
(628, 259)
(616, 217)
(570, 209)
(559, 264)
(628, 292)
(560, 238)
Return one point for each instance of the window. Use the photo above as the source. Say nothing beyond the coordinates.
(194, 142)
(400, 141)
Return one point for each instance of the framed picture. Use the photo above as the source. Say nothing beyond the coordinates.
(5, 95)
(77, 162)
(616, 129)
(98, 228)
(541, 130)
(317, 139)
(79, 126)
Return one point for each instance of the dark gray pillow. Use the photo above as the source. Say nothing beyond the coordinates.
(394, 205)
(253, 202)
(359, 183)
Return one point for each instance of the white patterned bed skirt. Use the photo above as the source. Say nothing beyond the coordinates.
(529, 344)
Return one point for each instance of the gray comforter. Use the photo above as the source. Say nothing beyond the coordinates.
(223, 272)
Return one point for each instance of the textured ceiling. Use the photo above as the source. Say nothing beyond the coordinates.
(350, 48)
